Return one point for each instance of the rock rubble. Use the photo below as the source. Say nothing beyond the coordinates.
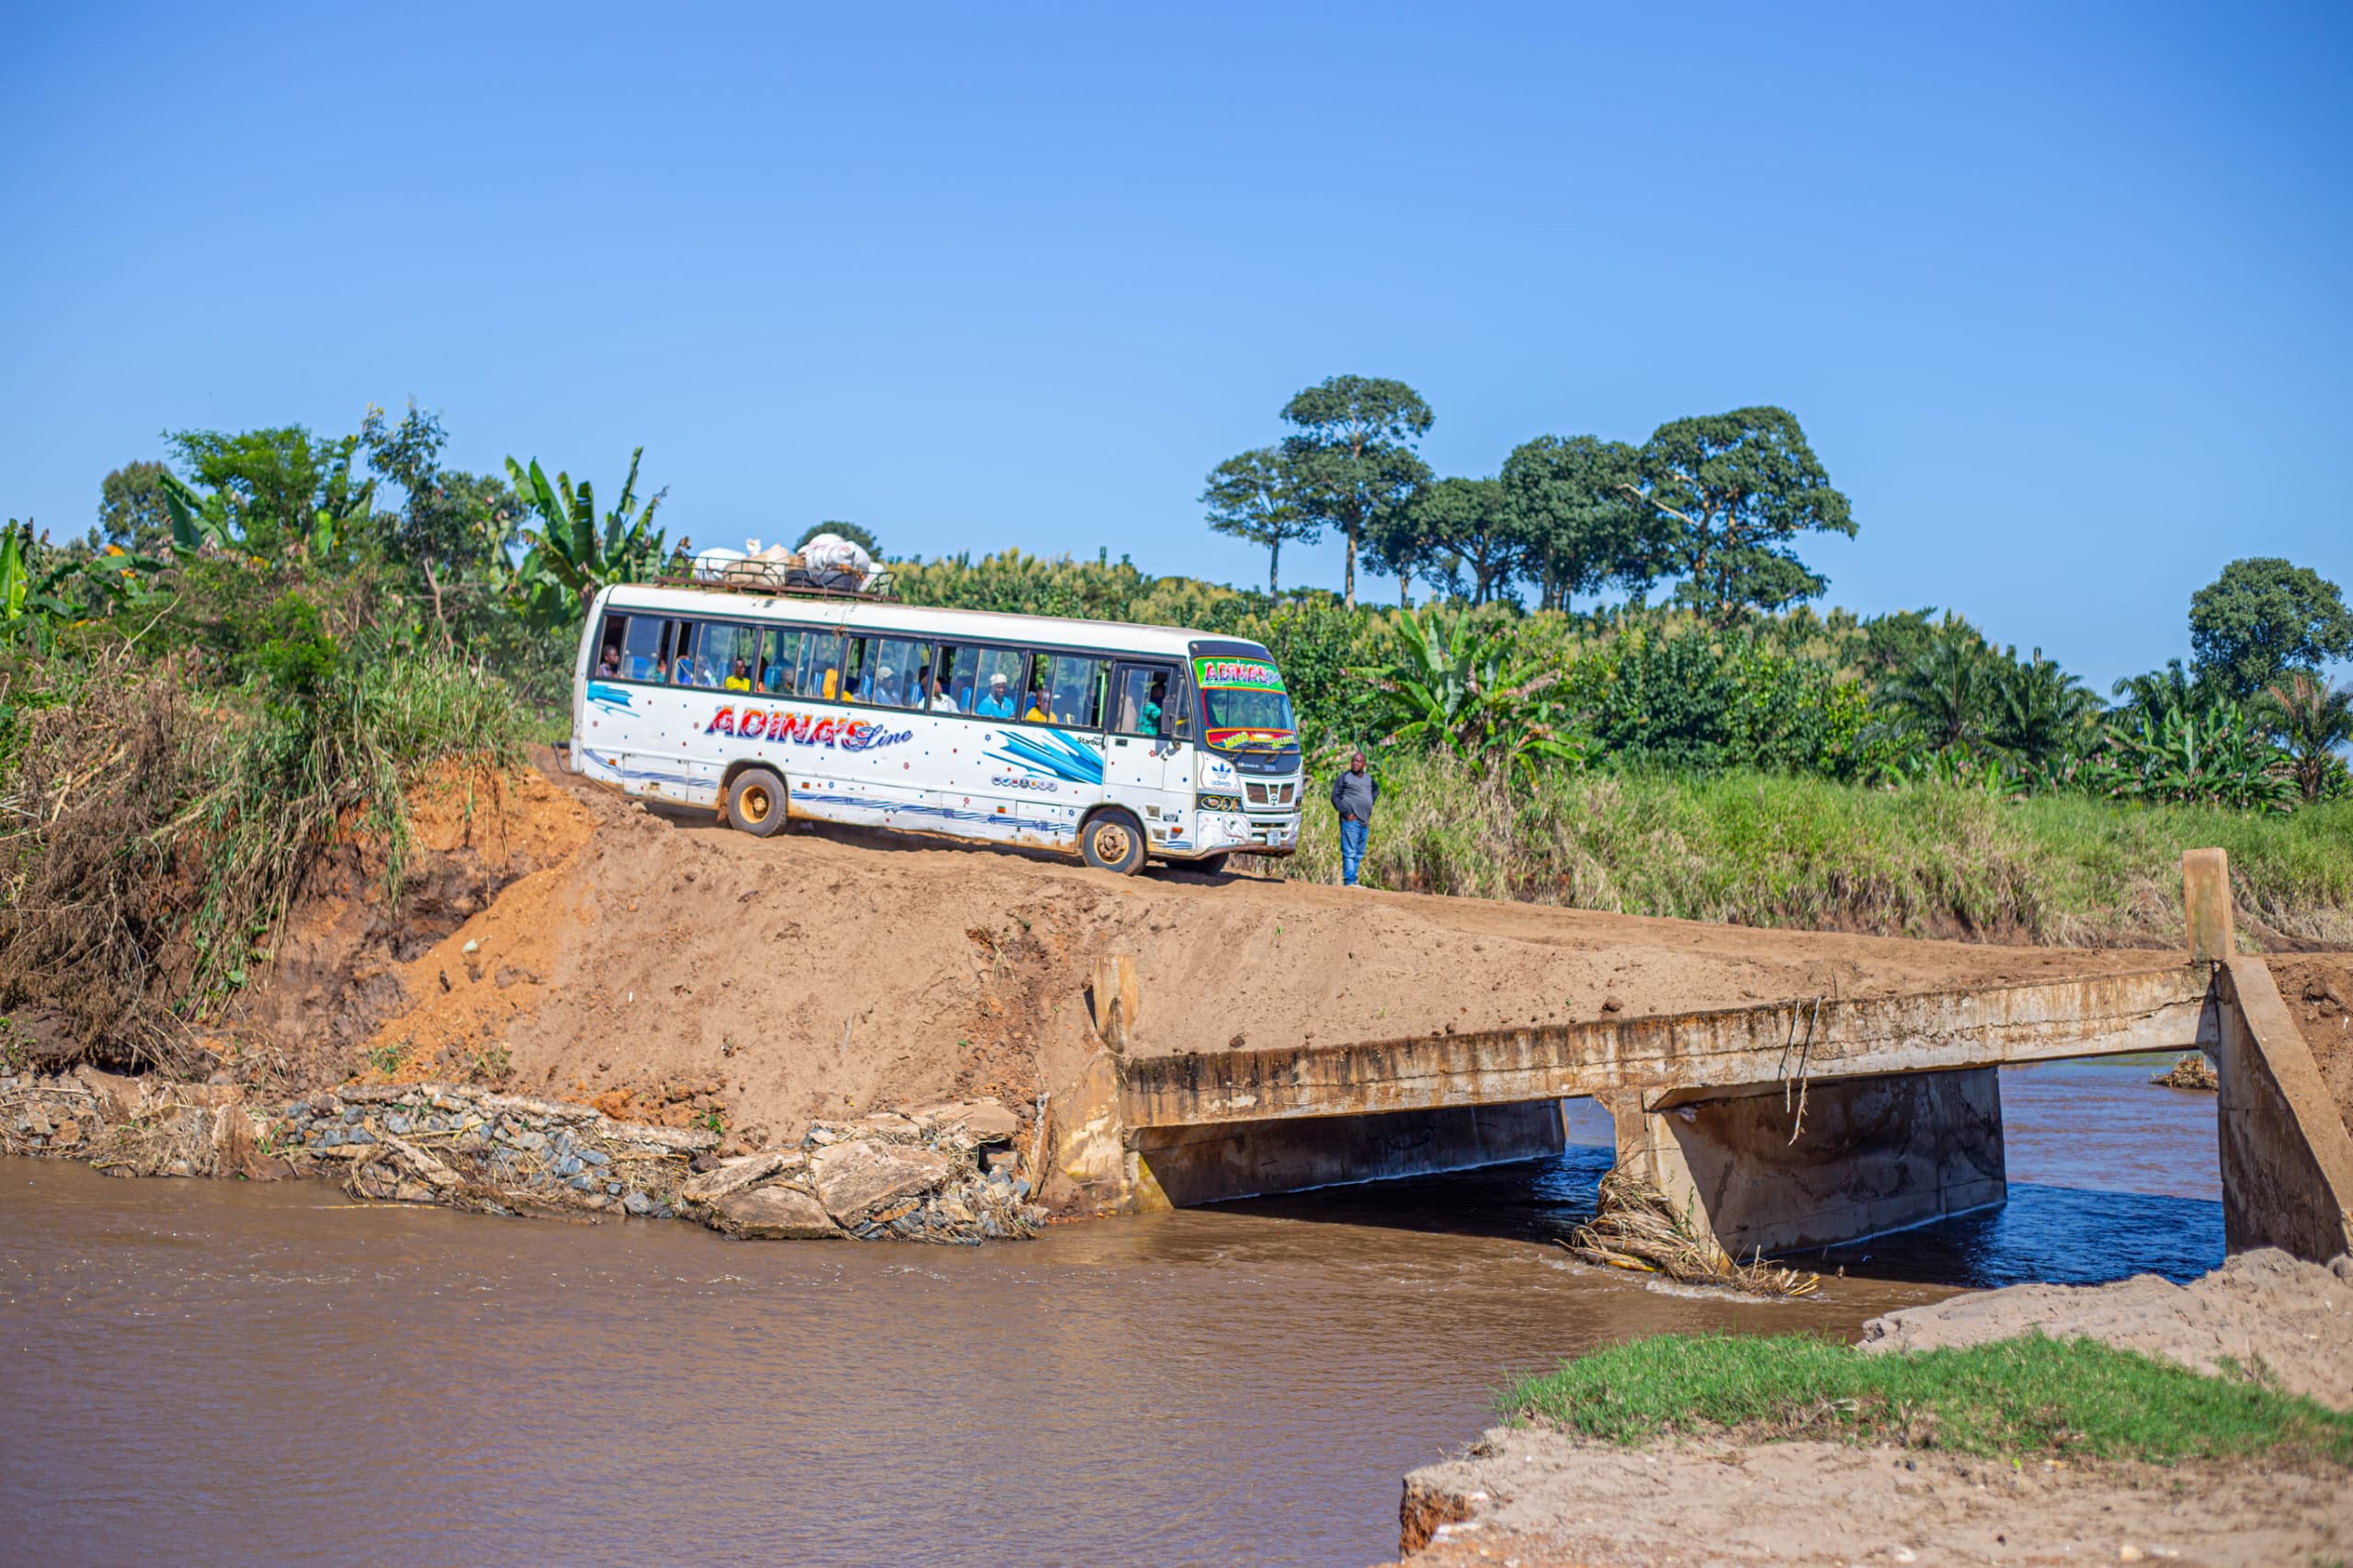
(948, 1173)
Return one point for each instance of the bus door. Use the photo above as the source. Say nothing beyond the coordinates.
(1147, 761)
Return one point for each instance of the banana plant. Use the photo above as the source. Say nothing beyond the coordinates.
(2214, 755)
(35, 598)
(570, 557)
(1457, 687)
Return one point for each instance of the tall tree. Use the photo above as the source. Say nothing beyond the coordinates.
(1250, 498)
(1458, 533)
(1352, 462)
(1578, 525)
(1739, 488)
(272, 489)
(132, 513)
(450, 522)
(2263, 617)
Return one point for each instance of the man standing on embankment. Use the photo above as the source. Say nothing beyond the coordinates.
(1353, 794)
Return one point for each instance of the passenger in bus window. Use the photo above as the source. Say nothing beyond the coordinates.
(741, 680)
(1037, 707)
(998, 702)
(942, 700)
(1149, 718)
(610, 667)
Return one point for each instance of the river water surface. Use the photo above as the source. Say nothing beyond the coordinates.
(216, 1372)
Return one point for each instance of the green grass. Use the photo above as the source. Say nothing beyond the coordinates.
(1763, 849)
(2030, 1397)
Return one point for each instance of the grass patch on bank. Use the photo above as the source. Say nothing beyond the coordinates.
(2030, 1397)
(1767, 850)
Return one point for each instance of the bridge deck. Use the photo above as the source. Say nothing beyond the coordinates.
(2159, 1009)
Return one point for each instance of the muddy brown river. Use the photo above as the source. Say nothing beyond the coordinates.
(215, 1372)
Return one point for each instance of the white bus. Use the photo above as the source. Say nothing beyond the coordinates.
(1122, 743)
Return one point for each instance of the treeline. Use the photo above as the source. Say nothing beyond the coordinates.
(1876, 700)
(1715, 503)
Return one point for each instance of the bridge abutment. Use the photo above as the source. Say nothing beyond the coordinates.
(1868, 1155)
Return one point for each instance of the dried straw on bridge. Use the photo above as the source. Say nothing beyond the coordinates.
(1636, 1226)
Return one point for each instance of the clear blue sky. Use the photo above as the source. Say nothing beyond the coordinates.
(2059, 292)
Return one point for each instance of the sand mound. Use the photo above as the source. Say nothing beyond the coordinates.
(1536, 1497)
(2264, 1311)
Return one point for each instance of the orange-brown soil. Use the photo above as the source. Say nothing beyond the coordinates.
(669, 965)
(2318, 989)
(476, 837)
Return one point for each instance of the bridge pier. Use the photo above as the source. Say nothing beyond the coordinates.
(1868, 1154)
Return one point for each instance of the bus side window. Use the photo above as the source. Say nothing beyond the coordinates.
(642, 648)
(989, 683)
(856, 671)
(682, 652)
(821, 664)
(937, 693)
(610, 646)
(894, 668)
(1075, 689)
(779, 653)
(1143, 698)
(729, 655)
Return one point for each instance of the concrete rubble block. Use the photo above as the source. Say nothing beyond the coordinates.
(887, 1125)
(119, 1098)
(985, 1120)
(524, 1107)
(855, 1179)
(734, 1175)
(776, 1212)
(672, 1140)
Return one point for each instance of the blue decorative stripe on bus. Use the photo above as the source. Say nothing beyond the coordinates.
(914, 809)
(609, 697)
(1051, 752)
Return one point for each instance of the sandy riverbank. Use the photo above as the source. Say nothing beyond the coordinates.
(1539, 1497)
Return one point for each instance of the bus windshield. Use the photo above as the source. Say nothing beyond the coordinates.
(1244, 706)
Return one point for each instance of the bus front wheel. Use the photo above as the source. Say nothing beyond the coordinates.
(755, 802)
(1113, 841)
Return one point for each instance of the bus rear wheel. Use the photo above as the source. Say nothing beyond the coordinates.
(1112, 841)
(755, 802)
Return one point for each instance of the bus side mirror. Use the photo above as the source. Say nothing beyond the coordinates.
(1167, 725)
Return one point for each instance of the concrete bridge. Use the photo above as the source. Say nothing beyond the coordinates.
(1796, 1124)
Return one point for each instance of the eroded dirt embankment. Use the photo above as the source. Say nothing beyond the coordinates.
(662, 966)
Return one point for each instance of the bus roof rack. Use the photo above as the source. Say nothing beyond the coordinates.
(767, 577)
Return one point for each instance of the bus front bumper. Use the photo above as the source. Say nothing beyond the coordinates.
(1232, 833)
